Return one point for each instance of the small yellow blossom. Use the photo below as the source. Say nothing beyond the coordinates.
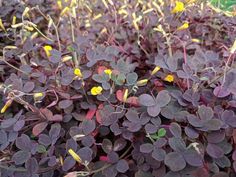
(73, 3)
(14, 20)
(179, 7)
(148, 11)
(27, 9)
(105, 3)
(75, 156)
(78, 73)
(66, 58)
(38, 95)
(96, 90)
(123, 11)
(136, 20)
(97, 17)
(183, 27)
(59, 4)
(47, 49)
(7, 105)
(2, 26)
(169, 78)
(233, 48)
(61, 160)
(29, 28)
(125, 95)
(64, 11)
(142, 82)
(108, 72)
(87, 23)
(196, 40)
(104, 30)
(155, 70)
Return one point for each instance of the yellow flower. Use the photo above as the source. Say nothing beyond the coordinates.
(14, 20)
(66, 58)
(125, 95)
(64, 11)
(29, 28)
(7, 105)
(97, 16)
(59, 4)
(27, 9)
(75, 156)
(2, 26)
(38, 95)
(96, 90)
(183, 27)
(169, 78)
(34, 35)
(78, 73)
(61, 160)
(142, 82)
(47, 49)
(233, 48)
(196, 40)
(155, 70)
(105, 3)
(179, 7)
(108, 72)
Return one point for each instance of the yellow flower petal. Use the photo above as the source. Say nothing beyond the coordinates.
(148, 11)
(78, 73)
(108, 72)
(123, 11)
(38, 95)
(196, 40)
(169, 78)
(73, 3)
(96, 90)
(183, 27)
(64, 11)
(125, 95)
(179, 7)
(13, 20)
(25, 11)
(142, 82)
(75, 156)
(61, 160)
(59, 4)
(97, 17)
(66, 58)
(155, 70)
(2, 26)
(105, 3)
(47, 49)
(29, 28)
(233, 48)
(7, 105)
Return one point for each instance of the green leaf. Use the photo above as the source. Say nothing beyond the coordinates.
(41, 149)
(154, 136)
(131, 78)
(120, 79)
(161, 132)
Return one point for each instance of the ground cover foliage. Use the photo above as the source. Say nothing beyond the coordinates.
(106, 88)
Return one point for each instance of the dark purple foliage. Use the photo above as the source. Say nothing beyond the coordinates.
(177, 120)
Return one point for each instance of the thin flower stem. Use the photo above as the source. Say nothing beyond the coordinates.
(75, 57)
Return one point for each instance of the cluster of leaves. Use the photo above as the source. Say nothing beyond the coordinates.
(227, 5)
(117, 88)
